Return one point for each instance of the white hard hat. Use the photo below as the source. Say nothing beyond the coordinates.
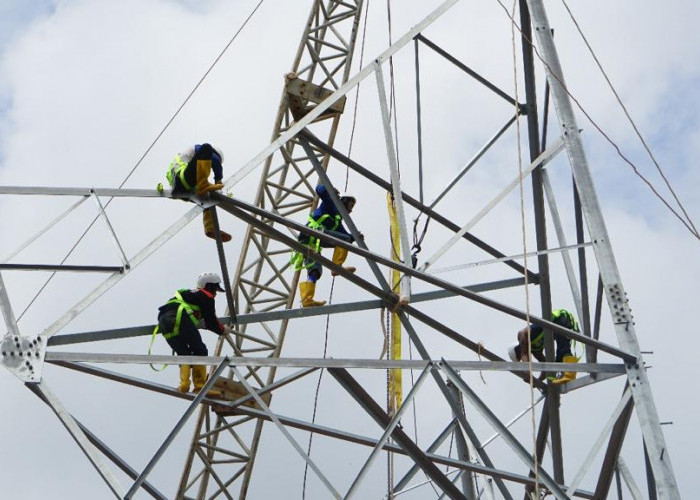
(206, 278)
(511, 351)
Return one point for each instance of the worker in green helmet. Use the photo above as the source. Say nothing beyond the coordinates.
(519, 350)
(179, 320)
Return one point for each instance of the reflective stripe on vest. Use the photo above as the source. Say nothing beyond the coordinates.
(177, 169)
(190, 309)
(318, 224)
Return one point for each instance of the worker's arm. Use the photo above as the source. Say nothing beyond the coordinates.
(208, 310)
(217, 167)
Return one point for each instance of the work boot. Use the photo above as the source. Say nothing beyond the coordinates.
(209, 227)
(567, 376)
(339, 256)
(184, 378)
(307, 289)
(199, 378)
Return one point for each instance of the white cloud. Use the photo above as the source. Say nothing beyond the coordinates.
(91, 85)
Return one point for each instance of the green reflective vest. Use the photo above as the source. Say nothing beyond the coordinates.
(297, 259)
(537, 344)
(177, 168)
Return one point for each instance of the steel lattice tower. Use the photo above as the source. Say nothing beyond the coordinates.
(226, 447)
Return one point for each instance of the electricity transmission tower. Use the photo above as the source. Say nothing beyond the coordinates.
(228, 452)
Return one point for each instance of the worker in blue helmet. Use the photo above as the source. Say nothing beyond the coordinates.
(325, 218)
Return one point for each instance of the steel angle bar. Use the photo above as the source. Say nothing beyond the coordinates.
(389, 429)
(178, 427)
(629, 480)
(115, 278)
(473, 161)
(286, 433)
(102, 212)
(561, 237)
(471, 73)
(62, 267)
(380, 416)
(292, 131)
(112, 456)
(394, 448)
(524, 412)
(222, 263)
(42, 390)
(563, 249)
(598, 444)
(63, 191)
(432, 214)
(325, 180)
(41, 232)
(402, 484)
(617, 438)
(542, 159)
(7, 312)
(232, 205)
(508, 438)
(581, 382)
(617, 301)
(395, 177)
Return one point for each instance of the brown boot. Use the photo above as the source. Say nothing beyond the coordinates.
(209, 227)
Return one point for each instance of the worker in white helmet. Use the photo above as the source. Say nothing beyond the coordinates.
(179, 320)
(189, 173)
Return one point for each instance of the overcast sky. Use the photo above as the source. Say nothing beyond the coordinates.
(86, 87)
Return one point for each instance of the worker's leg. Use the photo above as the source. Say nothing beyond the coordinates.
(307, 289)
(564, 355)
(179, 345)
(209, 227)
(339, 256)
(203, 160)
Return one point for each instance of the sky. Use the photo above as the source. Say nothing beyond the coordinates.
(86, 87)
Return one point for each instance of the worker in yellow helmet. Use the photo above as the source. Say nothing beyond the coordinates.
(519, 351)
(179, 320)
(189, 173)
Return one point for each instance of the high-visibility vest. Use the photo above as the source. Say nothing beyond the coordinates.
(537, 344)
(186, 307)
(177, 169)
(297, 259)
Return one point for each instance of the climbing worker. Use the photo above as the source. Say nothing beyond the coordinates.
(189, 173)
(325, 218)
(179, 320)
(518, 351)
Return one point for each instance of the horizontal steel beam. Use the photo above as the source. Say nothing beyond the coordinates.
(67, 191)
(303, 312)
(65, 268)
(373, 364)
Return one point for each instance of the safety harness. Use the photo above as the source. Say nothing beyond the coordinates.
(177, 169)
(186, 307)
(297, 259)
(537, 344)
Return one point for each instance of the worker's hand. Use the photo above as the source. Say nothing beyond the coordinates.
(361, 236)
(227, 330)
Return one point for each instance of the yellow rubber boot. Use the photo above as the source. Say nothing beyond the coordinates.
(307, 289)
(184, 378)
(339, 256)
(199, 378)
(568, 376)
(209, 227)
